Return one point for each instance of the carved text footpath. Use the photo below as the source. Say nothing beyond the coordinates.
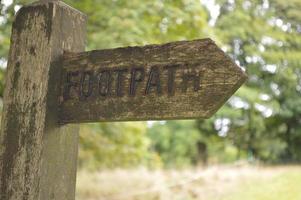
(117, 82)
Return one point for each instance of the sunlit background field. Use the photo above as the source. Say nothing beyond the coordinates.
(213, 183)
(249, 150)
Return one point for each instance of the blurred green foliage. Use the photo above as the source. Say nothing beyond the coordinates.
(116, 145)
(122, 23)
(262, 121)
(176, 142)
(264, 37)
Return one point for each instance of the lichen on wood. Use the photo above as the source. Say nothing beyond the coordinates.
(37, 155)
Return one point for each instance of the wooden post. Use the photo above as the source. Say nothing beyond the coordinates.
(37, 156)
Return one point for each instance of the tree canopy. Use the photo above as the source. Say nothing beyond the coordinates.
(262, 121)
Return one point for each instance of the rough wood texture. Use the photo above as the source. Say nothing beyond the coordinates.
(179, 80)
(37, 156)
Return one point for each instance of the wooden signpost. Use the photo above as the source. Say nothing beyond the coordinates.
(178, 80)
(47, 88)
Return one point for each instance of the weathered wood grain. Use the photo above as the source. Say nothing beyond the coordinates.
(37, 156)
(179, 80)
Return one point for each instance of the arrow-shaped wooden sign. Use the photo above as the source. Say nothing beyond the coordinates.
(179, 80)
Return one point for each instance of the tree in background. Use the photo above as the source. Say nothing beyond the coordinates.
(289, 77)
(264, 37)
(176, 142)
(262, 121)
(122, 23)
(111, 145)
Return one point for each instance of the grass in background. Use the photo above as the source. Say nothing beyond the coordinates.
(213, 183)
(285, 184)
